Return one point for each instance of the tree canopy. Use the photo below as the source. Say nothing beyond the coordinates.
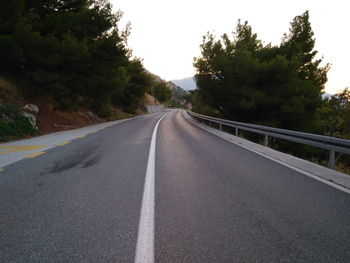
(70, 50)
(246, 80)
(335, 115)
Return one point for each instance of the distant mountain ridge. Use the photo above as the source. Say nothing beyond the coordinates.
(186, 83)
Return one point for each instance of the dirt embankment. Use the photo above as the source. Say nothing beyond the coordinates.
(49, 119)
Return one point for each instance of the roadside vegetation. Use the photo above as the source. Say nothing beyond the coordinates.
(159, 89)
(243, 79)
(74, 53)
(72, 59)
(13, 124)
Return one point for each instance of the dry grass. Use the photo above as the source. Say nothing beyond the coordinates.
(340, 167)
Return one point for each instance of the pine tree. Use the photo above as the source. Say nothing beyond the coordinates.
(71, 51)
(298, 47)
(273, 85)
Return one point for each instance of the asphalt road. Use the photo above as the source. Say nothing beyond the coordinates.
(214, 201)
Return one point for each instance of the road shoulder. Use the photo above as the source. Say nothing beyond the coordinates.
(17, 150)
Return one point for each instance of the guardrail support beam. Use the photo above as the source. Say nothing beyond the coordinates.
(331, 163)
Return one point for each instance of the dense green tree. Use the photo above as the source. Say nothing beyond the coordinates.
(139, 81)
(161, 91)
(298, 47)
(70, 50)
(274, 85)
(335, 115)
(158, 88)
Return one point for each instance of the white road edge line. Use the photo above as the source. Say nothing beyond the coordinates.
(318, 178)
(145, 237)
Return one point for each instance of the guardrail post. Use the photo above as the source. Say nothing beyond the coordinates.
(331, 163)
(220, 126)
(210, 123)
(266, 140)
(236, 131)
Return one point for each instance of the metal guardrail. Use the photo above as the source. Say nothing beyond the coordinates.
(331, 144)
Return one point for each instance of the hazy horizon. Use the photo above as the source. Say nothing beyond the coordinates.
(167, 35)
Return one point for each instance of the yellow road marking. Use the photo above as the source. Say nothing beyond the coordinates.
(62, 143)
(81, 136)
(4, 149)
(33, 155)
(2, 169)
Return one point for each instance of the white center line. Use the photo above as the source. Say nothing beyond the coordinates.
(145, 238)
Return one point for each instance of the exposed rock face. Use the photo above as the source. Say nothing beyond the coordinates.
(32, 108)
(150, 100)
(155, 108)
(31, 116)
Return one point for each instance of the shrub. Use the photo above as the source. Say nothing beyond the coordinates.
(13, 124)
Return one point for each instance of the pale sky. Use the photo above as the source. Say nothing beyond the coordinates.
(167, 34)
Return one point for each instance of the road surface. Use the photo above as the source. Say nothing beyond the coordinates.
(205, 200)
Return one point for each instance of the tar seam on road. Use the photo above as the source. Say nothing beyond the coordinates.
(316, 177)
(145, 237)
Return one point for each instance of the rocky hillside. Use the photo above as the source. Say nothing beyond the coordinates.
(177, 94)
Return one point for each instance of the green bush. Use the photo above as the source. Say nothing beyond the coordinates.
(13, 124)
